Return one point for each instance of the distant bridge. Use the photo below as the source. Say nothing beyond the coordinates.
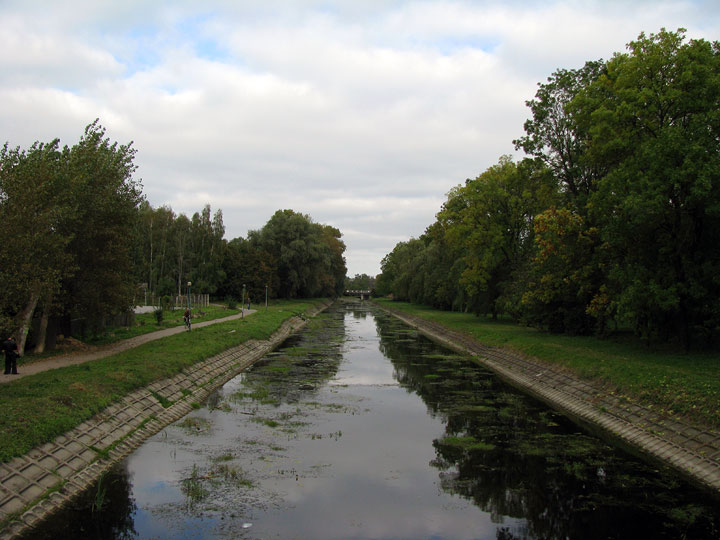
(362, 295)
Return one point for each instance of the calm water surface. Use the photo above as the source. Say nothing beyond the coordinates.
(360, 428)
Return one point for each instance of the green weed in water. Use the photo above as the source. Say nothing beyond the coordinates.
(194, 425)
(467, 443)
(265, 421)
(100, 493)
(192, 487)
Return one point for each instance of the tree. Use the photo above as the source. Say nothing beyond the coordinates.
(67, 217)
(35, 205)
(206, 239)
(332, 274)
(563, 279)
(360, 282)
(308, 256)
(557, 137)
(490, 220)
(246, 266)
(397, 269)
(654, 123)
(106, 200)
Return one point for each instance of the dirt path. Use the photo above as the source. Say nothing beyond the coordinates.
(107, 350)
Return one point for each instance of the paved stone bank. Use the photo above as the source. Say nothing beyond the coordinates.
(50, 476)
(692, 450)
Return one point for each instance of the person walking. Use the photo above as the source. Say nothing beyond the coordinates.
(10, 349)
(187, 318)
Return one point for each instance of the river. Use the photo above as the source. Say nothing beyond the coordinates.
(360, 428)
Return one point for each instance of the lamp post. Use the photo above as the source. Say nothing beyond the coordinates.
(189, 284)
(266, 295)
(242, 304)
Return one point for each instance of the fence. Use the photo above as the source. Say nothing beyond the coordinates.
(180, 301)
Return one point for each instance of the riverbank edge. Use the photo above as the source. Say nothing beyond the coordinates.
(54, 474)
(693, 451)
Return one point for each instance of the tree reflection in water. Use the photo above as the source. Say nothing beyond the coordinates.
(106, 520)
(512, 456)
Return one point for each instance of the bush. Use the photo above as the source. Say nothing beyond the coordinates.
(231, 302)
(158, 315)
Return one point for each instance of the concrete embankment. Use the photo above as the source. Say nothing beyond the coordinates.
(692, 450)
(50, 476)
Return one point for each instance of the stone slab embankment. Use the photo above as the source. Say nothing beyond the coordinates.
(691, 449)
(37, 484)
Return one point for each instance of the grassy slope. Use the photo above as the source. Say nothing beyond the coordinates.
(674, 382)
(38, 408)
(146, 323)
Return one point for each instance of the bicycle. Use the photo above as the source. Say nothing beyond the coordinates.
(188, 323)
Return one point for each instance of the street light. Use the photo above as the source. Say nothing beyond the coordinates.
(189, 284)
(242, 304)
(266, 295)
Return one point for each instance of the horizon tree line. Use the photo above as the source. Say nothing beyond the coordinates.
(79, 237)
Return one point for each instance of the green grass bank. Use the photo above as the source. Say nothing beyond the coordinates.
(38, 408)
(672, 382)
(145, 323)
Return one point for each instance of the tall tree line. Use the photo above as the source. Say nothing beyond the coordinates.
(291, 256)
(78, 240)
(66, 217)
(612, 219)
(172, 249)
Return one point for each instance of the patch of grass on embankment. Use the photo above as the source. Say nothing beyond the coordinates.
(38, 408)
(675, 383)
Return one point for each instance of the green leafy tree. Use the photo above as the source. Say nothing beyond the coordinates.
(490, 221)
(106, 198)
(398, 269)
(207, 245)
(654, 123)
(308, 256)
(68, 217)
(562, 281)
(245, 265)
(35, 206)
(360, 282)
(557, 137)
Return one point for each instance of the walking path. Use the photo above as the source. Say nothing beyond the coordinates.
(55, 362)
(691, 449)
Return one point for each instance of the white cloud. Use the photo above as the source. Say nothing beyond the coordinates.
(361, 114)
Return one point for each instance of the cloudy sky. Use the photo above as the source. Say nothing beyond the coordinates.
(361, 113)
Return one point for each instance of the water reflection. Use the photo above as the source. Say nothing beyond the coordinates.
(105, 511)
(327, 438)
(512, 456)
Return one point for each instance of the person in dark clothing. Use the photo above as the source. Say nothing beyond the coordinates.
(187, 318)
(10, 349)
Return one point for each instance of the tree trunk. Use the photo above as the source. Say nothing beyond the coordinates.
(42, 333)
(24, 319)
